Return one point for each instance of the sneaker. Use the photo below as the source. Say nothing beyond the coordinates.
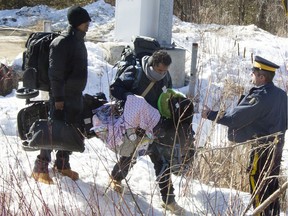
(116, 185)
(68, 172)
(174, 208)
(42, 177)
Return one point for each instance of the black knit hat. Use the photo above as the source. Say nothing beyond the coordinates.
(77, 15)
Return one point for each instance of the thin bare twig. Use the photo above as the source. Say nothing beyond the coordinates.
(270, 199)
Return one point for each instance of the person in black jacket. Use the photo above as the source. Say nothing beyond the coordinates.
(154, 75)
(260, 117)
(68, 78)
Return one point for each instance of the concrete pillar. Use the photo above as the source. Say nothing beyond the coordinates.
(177, 68)
(136, 18)
(151, 18)
(165, 23)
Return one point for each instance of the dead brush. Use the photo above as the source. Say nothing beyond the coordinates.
(284, 197)
(223, 167)
(227, 167)
(232, 89)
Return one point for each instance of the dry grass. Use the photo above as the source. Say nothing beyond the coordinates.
(223, 167)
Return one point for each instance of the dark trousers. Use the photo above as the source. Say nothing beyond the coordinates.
(265, 164)
(162, 171)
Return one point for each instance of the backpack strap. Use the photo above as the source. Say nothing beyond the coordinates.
(148, 88)
(138, 75)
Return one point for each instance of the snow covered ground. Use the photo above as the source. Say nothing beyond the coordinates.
(224, 56)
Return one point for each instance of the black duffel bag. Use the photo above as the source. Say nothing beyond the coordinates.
(54, 135)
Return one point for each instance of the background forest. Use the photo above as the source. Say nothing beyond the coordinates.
(266, 14)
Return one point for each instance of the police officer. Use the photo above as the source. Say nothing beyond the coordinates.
(260, 115)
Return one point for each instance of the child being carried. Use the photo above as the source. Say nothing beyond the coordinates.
(119, 132)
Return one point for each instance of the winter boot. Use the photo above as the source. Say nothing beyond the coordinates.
(174, 208)
(116, 185)
(62, 166)
(69, 173)
(40, 171)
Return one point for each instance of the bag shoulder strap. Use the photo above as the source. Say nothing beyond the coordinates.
(148, 88)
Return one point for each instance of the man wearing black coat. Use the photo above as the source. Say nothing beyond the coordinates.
(260, 117)
(68, 78)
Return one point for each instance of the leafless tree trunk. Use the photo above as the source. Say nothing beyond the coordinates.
(262, 13)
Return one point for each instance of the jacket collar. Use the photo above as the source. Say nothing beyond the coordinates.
(78, 34)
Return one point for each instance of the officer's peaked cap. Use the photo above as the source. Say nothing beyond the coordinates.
(264, 64)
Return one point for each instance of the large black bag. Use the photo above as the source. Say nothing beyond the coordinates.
(131, 56)
(28, 115)
(54, 135)
(35, 117)
(145, 46)
(91, 102)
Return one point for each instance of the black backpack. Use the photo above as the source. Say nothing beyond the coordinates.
(36, 60)
(132, 56)
(175, 143)
(91, 102)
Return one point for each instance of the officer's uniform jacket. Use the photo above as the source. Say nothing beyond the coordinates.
(263, 111)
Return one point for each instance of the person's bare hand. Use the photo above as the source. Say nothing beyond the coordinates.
(205, 112)
(59, 105)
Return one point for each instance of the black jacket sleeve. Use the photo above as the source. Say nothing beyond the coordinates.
(123, 85)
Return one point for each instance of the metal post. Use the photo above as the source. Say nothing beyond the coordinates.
(47, 26)
(193, 71)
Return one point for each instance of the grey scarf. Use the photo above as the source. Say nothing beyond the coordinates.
(150, 73)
